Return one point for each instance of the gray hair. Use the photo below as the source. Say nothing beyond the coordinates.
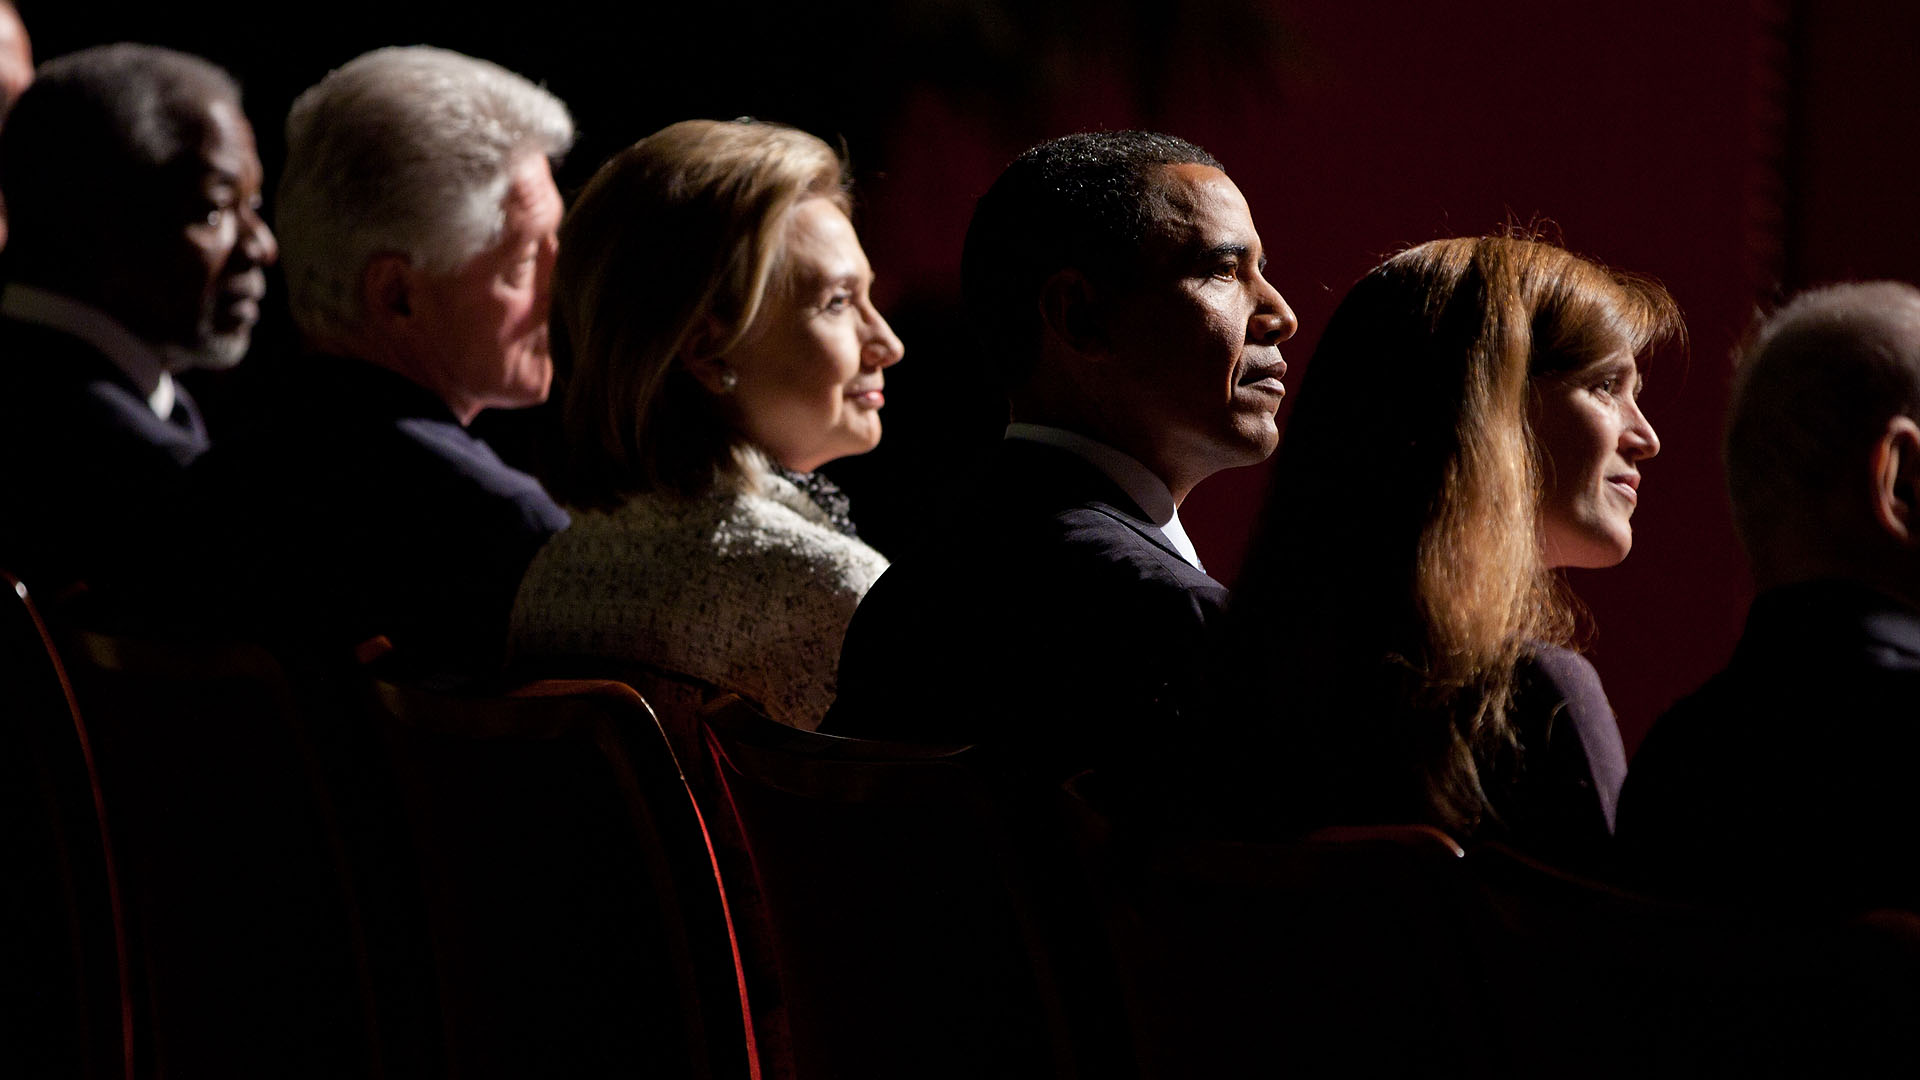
(408, 150)
(89, 132)
(1815, 388)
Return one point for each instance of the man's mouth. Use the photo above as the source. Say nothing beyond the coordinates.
(1265, 377)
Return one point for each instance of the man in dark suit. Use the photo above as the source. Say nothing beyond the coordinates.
(1116, 281)
(1787, 781)
(419, 215)
(137, 252)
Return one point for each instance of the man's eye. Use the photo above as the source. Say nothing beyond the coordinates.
(217, 216)
(1227, 271)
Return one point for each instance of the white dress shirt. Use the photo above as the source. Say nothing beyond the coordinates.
(1147, 491)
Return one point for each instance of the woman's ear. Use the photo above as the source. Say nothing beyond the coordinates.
(1896, 480)
(1069, 311)
(701, 355)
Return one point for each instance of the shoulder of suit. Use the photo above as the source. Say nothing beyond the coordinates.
(1110, 533)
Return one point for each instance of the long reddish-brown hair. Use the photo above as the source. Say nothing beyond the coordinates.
(1399, 573)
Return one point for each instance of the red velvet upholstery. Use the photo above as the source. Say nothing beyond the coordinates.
(66, 1004)
(907, 924)
(576, 920)
(1390, 952)
(248, 953)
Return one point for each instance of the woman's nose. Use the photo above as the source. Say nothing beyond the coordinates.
(1639, 441)
(882, 348)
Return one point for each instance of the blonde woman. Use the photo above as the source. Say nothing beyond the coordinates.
(724, 345)
(1469, 424)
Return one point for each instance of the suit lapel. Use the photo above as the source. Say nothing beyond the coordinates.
(1061, 480)
(48, 365)
(186, 414)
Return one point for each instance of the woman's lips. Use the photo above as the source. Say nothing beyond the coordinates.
(868, 399)
(1628, 486)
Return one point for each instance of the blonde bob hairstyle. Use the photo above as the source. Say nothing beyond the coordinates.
(1399, 571)
(667, 257)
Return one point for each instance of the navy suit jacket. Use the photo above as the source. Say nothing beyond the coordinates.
(86, 465)
(1787, 781)
(1558, 801)
(1054, 620)
(358, 506)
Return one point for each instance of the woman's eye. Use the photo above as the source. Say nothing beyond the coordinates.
(838, 302)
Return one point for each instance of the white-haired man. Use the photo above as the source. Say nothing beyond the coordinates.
(137, 252)
(419, 217)
(1786, 782)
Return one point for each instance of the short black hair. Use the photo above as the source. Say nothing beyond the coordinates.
(91, 130)
(1084, 202)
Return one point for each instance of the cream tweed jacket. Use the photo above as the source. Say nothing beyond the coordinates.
(748, 590)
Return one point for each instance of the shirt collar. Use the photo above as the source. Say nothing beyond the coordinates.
(1148, 492)
(140, 362)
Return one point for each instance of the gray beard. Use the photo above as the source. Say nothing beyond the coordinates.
(217, 352)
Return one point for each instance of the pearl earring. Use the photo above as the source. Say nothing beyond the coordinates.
(728, 380)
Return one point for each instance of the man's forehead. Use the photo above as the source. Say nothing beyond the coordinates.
(225, 144)
(1182, 187)
(1195, 207)
(530, 187)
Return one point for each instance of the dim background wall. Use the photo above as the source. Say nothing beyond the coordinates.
(1729, 148)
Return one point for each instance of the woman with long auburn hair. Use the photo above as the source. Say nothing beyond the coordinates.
(1468, 425)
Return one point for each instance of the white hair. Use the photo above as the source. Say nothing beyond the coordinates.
(407, 150)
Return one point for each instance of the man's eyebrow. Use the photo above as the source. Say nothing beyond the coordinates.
(1214, 254)
(1222, 251)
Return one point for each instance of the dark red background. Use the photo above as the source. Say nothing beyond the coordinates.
(1730, 148)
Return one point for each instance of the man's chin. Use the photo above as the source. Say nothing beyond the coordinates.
(213, 352)
(536, 379)
(1254, 443)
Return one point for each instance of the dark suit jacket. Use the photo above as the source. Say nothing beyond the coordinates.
(85, 464)
(1787, 781)
(357, 505)
(1054, 620)
(1306, 749)
(1557, 802)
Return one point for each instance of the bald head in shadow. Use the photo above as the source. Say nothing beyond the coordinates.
(136, 252)
(1804, 744)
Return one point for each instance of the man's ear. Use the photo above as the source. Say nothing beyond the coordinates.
(1896, 480)
(701, 355)
(1070, 311)
(386, 289)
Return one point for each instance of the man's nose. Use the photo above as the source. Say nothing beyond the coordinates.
(256, 240)
(1273, 321)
